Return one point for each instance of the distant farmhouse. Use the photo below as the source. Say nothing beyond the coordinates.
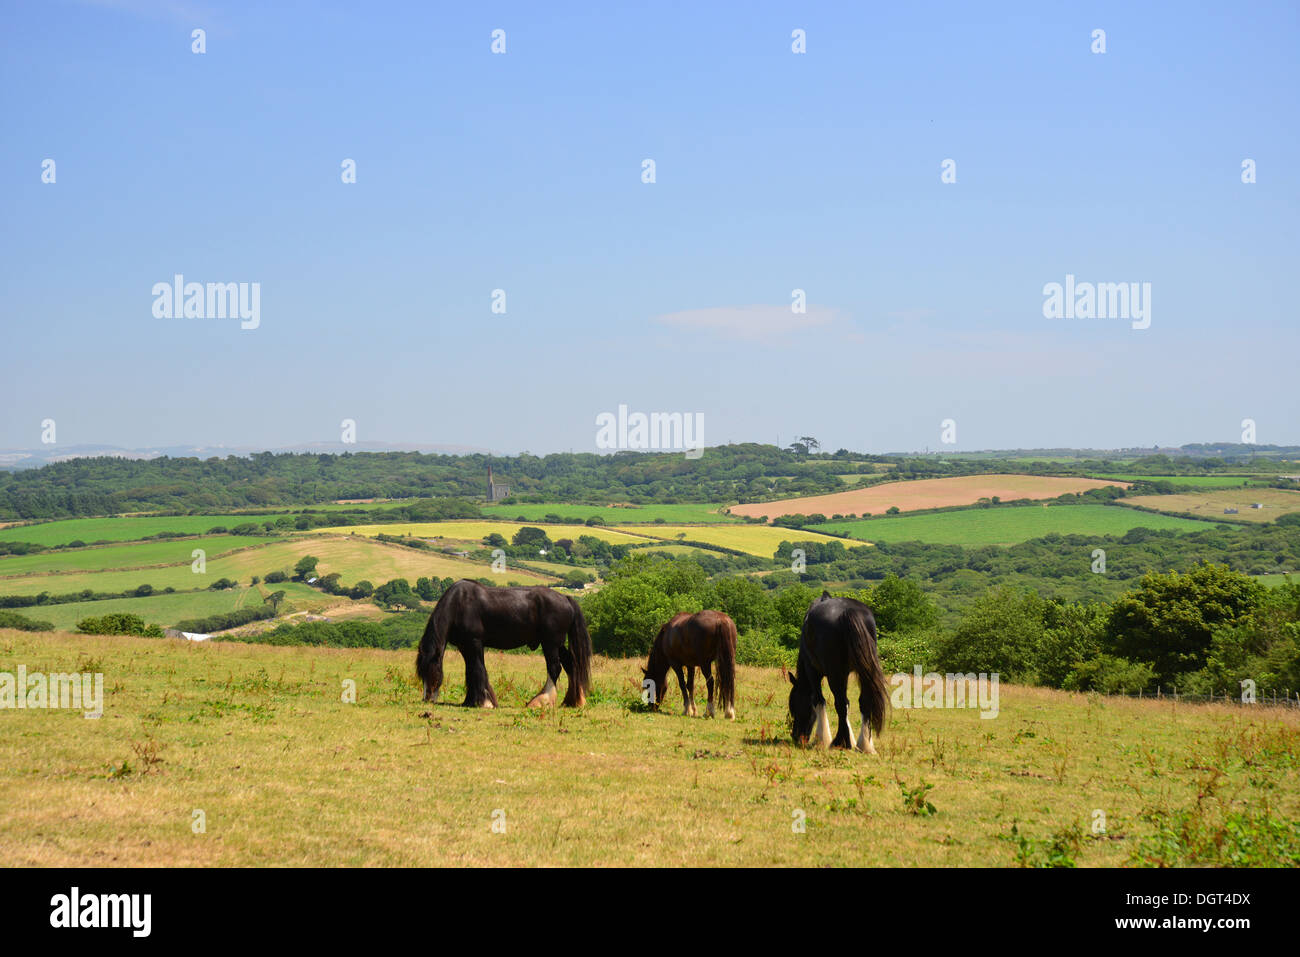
(496, 492)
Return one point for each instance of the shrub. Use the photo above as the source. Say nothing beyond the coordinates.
(118, 623)
(11, 619)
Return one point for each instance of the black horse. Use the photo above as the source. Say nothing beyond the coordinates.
(472, 617)
(838, 637)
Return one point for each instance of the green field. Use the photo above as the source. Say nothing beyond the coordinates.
(1199, 481)
(353, 557)
(123, 529)
(165, 552)
(287, 774)
(613, 514)
(1273, 581)
(163, 610)
(1004, 526)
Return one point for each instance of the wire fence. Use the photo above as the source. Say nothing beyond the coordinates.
(1273, 698)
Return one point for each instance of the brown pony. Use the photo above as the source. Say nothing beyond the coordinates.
(692, 641)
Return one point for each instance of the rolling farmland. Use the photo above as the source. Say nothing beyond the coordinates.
(613, 514)
(127, 529)
(1200, 481)
(1006, 526)
(761, 540)
(354, 558)
(927, 493)
(1276, 501)
(475, 531)
(144, 554)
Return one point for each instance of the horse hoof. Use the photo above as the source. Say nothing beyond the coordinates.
(542, 701)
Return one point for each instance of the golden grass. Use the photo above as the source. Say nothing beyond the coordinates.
(925, 493)
(761, 540)
(286, 773)
(1276, 501)
(471, 531)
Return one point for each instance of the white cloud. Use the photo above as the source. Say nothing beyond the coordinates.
(754, 323)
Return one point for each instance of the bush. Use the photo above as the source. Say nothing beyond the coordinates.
(231, 619)
(274, 578)
(762, 649)
(1169, 619)
(1001, 634)
(118, 623)
(11, 619)
(1109, 675)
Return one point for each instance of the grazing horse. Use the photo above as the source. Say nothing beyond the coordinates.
(695, 641)
(838, 637)
(472, 617)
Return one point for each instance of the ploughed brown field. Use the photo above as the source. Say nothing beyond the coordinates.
(927, 493)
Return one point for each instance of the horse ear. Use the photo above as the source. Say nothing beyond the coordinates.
(825, 593)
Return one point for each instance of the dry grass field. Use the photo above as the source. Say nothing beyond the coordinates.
(926, 493)
(1276, 501)
(472, 531)
(257, 744)
(762, 540)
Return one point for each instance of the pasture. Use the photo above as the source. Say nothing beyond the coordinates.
(124, 529)
(1006, 526)
(142, 555)
(1199, 481)
(164, 610)
(474, 532)
(1210, 504)
(922, 494)
(259, 742)
(626, 514)
(761, 540)
(355, 558)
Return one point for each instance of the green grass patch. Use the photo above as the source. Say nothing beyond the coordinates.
(1005, 526)
(612, 514)
(124, 529)
(105, 557)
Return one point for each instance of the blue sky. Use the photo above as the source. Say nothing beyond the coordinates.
(774, 171)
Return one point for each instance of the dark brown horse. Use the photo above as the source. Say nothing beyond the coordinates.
(693, 641)
(472, 617)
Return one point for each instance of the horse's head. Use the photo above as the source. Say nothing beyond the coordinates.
(801, 709)
(428, 667)
(654, 676)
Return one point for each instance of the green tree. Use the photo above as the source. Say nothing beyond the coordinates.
(1001, 634)
(1169, 620)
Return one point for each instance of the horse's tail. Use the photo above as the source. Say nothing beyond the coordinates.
(727, 668)
(580, 648)
(866, 663)
(428, 657)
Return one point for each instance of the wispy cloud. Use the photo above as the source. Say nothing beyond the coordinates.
(754, 323)
(177, 11)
